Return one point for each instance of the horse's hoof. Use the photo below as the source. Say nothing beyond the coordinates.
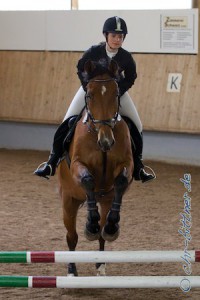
(110, 237)
(91, 236)
(101, 270)
(72, 271)
(70, 275)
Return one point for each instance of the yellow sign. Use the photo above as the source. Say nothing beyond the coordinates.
(175, 22)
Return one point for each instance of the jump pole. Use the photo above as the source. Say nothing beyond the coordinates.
(185, 283)
(97, 256)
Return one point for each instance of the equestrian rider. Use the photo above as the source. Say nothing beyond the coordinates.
(114, 31)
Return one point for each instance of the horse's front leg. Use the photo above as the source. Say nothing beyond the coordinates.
(110, 231)
(92, 228)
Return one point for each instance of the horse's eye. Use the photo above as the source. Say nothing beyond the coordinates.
(88, 97)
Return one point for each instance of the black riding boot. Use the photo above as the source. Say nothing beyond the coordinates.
(137, 148)
(63, 133)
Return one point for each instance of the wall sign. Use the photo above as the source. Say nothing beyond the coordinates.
(177, 32)
(174, 83)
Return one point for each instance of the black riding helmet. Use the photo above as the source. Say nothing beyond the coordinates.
(115, 25)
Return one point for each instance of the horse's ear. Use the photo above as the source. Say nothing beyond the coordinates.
(113, 67)
(89, 66)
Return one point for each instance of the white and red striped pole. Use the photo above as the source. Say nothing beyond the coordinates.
(97, 256)
(185, 283)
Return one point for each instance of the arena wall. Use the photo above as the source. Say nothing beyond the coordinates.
(38, 86)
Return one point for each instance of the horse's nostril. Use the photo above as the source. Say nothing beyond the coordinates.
(113, 142)
(105, 145)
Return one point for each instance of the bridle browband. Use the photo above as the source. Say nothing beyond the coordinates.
(109, 122)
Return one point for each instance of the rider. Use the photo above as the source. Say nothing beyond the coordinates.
(114, 31)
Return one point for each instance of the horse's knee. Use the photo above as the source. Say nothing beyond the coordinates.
(87, 182)
(121, 182)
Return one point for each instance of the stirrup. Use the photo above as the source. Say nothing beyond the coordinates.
(43, 164)
(152, 171)
(152, 174)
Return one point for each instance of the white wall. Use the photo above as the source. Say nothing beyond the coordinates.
(170, 147)
(78, 30)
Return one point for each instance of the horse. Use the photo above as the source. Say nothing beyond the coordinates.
(101, 162)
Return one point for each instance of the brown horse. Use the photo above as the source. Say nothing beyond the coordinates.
(101, 162)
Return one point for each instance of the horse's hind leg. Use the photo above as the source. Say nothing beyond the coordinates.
(105, 204)
(101, 267)
(70, 210)
(110, 231)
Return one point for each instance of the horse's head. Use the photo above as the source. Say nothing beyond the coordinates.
(102, 100)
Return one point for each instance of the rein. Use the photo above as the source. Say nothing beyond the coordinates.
(109, 122)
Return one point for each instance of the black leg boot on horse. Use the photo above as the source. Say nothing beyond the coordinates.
(137, 149)
(63, 134)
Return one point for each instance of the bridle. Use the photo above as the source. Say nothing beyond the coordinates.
(109, 122)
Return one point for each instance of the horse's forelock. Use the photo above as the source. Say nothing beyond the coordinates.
(100, 67)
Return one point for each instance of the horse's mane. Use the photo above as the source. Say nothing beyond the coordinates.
(100, 67)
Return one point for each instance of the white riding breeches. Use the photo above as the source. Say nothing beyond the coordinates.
(127, 107)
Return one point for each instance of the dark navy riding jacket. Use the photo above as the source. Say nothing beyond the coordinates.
(125, 61)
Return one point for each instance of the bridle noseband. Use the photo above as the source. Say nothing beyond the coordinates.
(109, 122)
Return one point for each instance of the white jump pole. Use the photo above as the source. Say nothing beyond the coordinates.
(97, 256)
(185, 283)
(131, 282)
